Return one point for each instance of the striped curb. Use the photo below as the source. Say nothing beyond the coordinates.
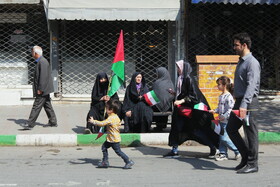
(7, 140)
(126, 139)
(47, 140)
(269, 137)
(89, 139)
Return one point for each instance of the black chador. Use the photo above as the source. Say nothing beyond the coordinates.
(164, 89)
(198, 127)
(141, 113)
(97, 105)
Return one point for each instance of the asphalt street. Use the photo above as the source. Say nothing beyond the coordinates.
(76, 166)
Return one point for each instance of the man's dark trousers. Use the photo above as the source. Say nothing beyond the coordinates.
(39, 103)
(248, 148)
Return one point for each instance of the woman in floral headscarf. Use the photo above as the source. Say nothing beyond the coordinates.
(198, 126)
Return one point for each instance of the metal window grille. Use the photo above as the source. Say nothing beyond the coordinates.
(88, 47)
(211, 27)
(21, 27)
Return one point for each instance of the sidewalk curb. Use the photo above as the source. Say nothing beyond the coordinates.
(89, 139)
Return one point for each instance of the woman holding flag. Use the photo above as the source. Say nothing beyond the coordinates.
(98, 99)
(138, 114)
(196, 126)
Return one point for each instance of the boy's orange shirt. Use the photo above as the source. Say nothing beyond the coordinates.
(113, 124)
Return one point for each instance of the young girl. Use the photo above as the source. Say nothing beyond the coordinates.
(113, 139)
(225, 106)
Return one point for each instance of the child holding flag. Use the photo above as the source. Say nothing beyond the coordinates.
(113, 138)
(225, 106)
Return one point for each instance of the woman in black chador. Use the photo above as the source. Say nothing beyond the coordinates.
(196, 127)
(164, 89)
(137, 113)
(98, 98)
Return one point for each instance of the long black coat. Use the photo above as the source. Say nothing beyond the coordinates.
(142, 114)
(183, 128)
(164, 89)
(97, 107)
(42, 79)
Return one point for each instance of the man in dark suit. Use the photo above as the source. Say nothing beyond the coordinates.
(42, 87)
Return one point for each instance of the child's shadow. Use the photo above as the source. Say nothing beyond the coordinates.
(85, 161)
(94, 162)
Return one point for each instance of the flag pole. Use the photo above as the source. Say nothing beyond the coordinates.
(119, 55)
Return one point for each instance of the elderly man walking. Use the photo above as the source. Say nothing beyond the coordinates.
(42, 87)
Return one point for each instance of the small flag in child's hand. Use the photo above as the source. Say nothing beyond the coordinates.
(201, 106)
(217, 127)
(151, 98)
(100, 133)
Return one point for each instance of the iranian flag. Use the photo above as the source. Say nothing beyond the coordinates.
(201, 106)
(217, 127)
(117, 78)
(151, 98)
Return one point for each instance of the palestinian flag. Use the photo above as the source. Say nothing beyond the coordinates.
(245, 120)
(117, 68)
(118, 73)
(201, 106)
(151, 98)
(100, 133)
(237, 113)
(215, 125)
(184, 111)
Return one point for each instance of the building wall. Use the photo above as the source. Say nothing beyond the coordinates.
(209, 69)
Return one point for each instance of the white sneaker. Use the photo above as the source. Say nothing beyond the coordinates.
(237, 156)
(221, 157)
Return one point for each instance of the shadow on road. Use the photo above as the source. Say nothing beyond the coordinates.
(22, 121)
(199, 160)
(79, 129)
(85, 161)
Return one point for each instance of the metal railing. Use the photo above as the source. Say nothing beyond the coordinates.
(211, 27)
(88, 47)
(21, 27)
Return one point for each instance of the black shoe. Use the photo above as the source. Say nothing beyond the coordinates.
(50, 125)
(87, 131)
(242, 164)
(171, 154)
(128, 165)
(213, 153)
(248, 169)
(26, 126)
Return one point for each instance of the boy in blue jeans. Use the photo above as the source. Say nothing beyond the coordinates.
(113, 138)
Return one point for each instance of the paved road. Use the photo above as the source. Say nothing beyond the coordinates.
(76, 166)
